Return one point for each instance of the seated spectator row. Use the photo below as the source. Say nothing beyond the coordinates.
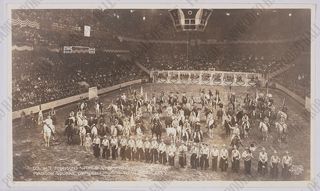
(43, 77)
(260, 58)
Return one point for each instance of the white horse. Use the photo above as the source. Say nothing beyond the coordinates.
(282, 114)
(47, 134)
(210, 125)
(82, 134)
(149, 108)
(97, 109)
(264, 130)
(126, 128)
(172, 133)
(79, 121)
(282, 130)
(177, 127)
(94, 131)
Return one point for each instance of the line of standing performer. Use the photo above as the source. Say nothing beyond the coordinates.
(199, 154)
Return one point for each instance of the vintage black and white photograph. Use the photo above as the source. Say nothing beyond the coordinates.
(179, 94)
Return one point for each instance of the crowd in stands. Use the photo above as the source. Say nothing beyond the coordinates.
(40, 78)
(259, 58)
(298, 77)
(37, 76)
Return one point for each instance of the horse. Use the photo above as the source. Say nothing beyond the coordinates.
(197, 136)
(82, 134)
(235, 141)
(119, 129)
(47, 134)
(70, 130)
(177, 127)
(179, 132)
(94, 132)
(113, 130)
(282, 131)
(172, 133)
(245, 128)
(157, 129)
(282, 114)
(149, 108)
(168, 121)
(264, 130)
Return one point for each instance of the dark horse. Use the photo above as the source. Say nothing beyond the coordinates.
(236, 141)
(157, 129)
(69, 130)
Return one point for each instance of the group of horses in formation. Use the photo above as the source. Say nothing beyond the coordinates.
(179, 116)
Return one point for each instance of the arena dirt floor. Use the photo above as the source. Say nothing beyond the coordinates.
(32, 161)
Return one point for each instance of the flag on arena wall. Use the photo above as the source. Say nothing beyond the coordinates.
(141, 90)
(132, 123)
(93, 92)
(87, 31)
(92, 50)
(67, 49)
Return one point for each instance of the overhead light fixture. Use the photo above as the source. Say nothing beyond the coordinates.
(228, 14)
(144, 18)
(290, 14)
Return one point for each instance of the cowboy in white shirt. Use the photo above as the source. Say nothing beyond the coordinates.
(139, 147)
(114, 147)
(171, 153)
(224, 155)
(263, 162)
(162, 152)
(274, 162)
(235, 159)
(247, 156)
(286, 164)
(131, 149)
(214, 155)
(154, 150)
(204, 158)
(106, 147)
(147, 150)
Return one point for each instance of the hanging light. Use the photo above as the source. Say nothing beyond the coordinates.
(144, 18)
(228, 14)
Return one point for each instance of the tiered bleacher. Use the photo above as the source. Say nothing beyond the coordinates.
(39, 37)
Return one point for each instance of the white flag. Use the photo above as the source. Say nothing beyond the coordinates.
(87, 30)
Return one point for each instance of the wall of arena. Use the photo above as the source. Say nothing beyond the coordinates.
(303, 101)
(65, 101)
(68, 100)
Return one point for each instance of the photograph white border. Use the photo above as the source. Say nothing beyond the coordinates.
(166, 5)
